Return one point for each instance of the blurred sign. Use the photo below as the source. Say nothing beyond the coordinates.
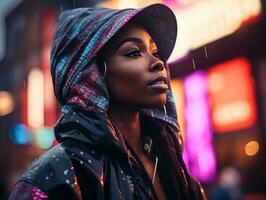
(206, 21)
(198, 153)
(232, 96)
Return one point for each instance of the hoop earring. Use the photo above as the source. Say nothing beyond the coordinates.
(104, 69)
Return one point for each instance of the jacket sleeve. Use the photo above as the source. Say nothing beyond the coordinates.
(27, 191)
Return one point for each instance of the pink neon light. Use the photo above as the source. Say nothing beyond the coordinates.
(198, 152)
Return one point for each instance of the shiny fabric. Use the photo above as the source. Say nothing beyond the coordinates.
(89, 163)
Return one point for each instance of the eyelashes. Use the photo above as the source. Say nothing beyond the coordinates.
(135, 53)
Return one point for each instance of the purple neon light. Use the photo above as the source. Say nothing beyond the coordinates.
(198, 152)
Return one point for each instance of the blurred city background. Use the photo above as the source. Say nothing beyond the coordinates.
(218, 71)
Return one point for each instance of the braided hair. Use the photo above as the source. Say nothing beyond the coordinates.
(173, 173)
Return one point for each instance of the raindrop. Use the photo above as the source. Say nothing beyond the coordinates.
(93, 152)
(89, 161)
(205, 51)
(253, 82)
(72, 168)
(81, 162)
(65, 172)
(81, 153)
(47, 178)
(193, 62)
(67, 181)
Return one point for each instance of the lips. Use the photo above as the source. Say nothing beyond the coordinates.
(159, 84)
(158, 80)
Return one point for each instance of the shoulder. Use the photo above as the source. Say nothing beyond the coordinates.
(60, 165)
(45, 170)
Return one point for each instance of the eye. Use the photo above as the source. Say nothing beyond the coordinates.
(156, 54)
(133, 53)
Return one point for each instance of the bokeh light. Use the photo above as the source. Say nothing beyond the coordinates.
(252, 148)
(6, 103)
(44, 138)
(20, 134)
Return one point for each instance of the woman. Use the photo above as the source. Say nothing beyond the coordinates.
(119, 138)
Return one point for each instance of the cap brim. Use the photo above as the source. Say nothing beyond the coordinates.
(161, 24)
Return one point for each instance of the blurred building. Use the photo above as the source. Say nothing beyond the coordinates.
(28, 108)
(230, 60)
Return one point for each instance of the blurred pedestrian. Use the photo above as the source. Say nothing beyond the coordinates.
(118, 135)
(229, 185)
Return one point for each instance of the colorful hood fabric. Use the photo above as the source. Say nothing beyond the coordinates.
(81, 33)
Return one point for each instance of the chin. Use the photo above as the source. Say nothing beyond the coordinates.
(156, 102)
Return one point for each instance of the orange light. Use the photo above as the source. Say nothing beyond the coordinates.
(6, 103)
(252, 148)
(232, 96)
(178, 94)
(35, 98)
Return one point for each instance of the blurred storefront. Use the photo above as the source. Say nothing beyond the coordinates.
(217, 68)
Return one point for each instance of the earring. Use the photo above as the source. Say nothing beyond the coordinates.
(104, 69)
(165, 114)
(152, 115)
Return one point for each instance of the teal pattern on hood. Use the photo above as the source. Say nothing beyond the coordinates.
(81, 33)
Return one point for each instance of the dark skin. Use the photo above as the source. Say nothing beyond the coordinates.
(133, 62)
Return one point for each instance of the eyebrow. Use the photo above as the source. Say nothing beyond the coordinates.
(132, 39)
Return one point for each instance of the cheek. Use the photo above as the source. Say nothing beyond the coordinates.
(125, 84)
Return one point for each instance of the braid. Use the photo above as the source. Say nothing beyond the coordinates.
(180, 158)
(177, 162)
(169, 184)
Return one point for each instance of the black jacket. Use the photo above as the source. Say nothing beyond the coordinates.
(90, 162)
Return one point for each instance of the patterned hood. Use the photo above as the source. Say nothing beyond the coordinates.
(81, 33)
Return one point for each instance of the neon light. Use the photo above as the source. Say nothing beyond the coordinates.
(35, 98)
(232, 96)
(215, 19)
(198, 152)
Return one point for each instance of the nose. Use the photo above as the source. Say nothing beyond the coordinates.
(157, 66)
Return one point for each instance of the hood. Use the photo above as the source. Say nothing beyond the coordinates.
(80, 34)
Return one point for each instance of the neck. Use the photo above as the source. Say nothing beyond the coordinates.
(128, 122)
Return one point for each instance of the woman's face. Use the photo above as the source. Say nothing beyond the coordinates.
(135, 76)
